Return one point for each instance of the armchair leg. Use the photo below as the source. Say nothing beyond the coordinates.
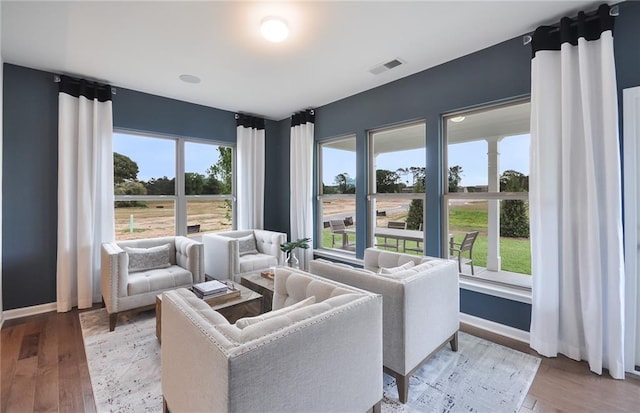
(454, 342)
(113, 318)
(377, 408)
(403, 387)
(165, 408)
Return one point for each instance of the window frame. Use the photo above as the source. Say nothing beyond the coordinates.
(373, 195)
(321, 197)
(520, 281)
(179, 197)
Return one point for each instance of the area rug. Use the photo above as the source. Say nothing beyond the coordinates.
(481, 377)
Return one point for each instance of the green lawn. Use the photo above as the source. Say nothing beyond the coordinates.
(515, 252)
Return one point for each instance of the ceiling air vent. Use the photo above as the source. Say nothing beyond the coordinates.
(376, 70)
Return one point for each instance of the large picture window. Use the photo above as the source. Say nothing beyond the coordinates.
(166, 186)
(487, 170)
(337, 199)
(397, 160)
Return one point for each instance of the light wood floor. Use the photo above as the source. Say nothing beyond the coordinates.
(44, 369)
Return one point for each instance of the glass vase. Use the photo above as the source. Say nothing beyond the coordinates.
(292, 260)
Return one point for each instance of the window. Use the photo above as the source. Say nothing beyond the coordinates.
(337, 199)
(397, 159)
(487, 170)
(166, 186)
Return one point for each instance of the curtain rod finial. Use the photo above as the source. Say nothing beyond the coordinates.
(526, 39)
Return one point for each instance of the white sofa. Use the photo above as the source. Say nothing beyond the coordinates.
(421, 306)
(323, 357)
(129, 283)
(231, 254)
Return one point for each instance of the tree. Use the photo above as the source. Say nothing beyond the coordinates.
(193, 183)
(415, 216)
(387, 181)
(124, 169)
(514, 213)
(455, 176)
(130, 188)
(161, 186)
(222, 170)
(345, 184)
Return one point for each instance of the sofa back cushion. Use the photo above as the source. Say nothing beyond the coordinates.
(374, 259)
(291, 286)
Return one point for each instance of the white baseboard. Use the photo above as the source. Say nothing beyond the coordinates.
(28, 311)
(494, 327)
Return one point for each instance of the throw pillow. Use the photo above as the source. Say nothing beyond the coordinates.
(247, 321)
(247, 245)
(142, 259)
(393, 270)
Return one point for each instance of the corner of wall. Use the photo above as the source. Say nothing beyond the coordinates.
(1, 141)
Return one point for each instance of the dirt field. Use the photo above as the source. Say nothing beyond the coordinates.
(158, 218)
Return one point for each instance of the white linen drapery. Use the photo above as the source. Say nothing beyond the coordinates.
(575, 198)
(302, 126)
(85, 189)
(250, 205)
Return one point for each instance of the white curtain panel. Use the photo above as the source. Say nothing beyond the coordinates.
(250, 144)
(302, 126)
(85, 192)
(575, 198)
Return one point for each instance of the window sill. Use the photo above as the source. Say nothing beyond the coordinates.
(346, 257)
(497, 289)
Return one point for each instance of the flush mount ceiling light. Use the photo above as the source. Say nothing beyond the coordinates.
(190, 78)
(274, 29)
(457, 119)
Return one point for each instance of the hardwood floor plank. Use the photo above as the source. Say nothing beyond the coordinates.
(29, 346)
(70, 389)
(11, 342)
(83, 370)
(47, 377)
(23, 388)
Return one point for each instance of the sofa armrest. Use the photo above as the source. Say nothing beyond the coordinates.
(114, 268)
(268, 242)
(190, 256)
(221, 256)
(194, 355)
(432, 310)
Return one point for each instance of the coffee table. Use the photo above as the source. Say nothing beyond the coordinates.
(261, 285)
(248, 304)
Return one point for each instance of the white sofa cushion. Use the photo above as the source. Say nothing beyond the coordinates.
(291, 287)
(399, 268)
(255, 262)
(247, 321)
(142, 259)
(158, 279)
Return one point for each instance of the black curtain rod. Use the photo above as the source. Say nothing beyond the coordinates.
(613, 11)
(75, 81)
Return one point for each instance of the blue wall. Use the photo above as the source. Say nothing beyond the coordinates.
(29, 187)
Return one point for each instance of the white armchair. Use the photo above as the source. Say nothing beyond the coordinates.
(134, 272)
(231, 254)
(420, 305)
(325, 356)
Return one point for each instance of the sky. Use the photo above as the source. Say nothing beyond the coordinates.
(158, 159)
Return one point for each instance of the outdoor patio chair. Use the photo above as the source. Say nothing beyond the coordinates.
(418, 248)
(456, 250)
(389, 241)
(338, 228)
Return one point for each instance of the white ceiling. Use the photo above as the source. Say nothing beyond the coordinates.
(147, 45)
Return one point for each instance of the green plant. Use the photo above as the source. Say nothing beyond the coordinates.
(292, 245)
